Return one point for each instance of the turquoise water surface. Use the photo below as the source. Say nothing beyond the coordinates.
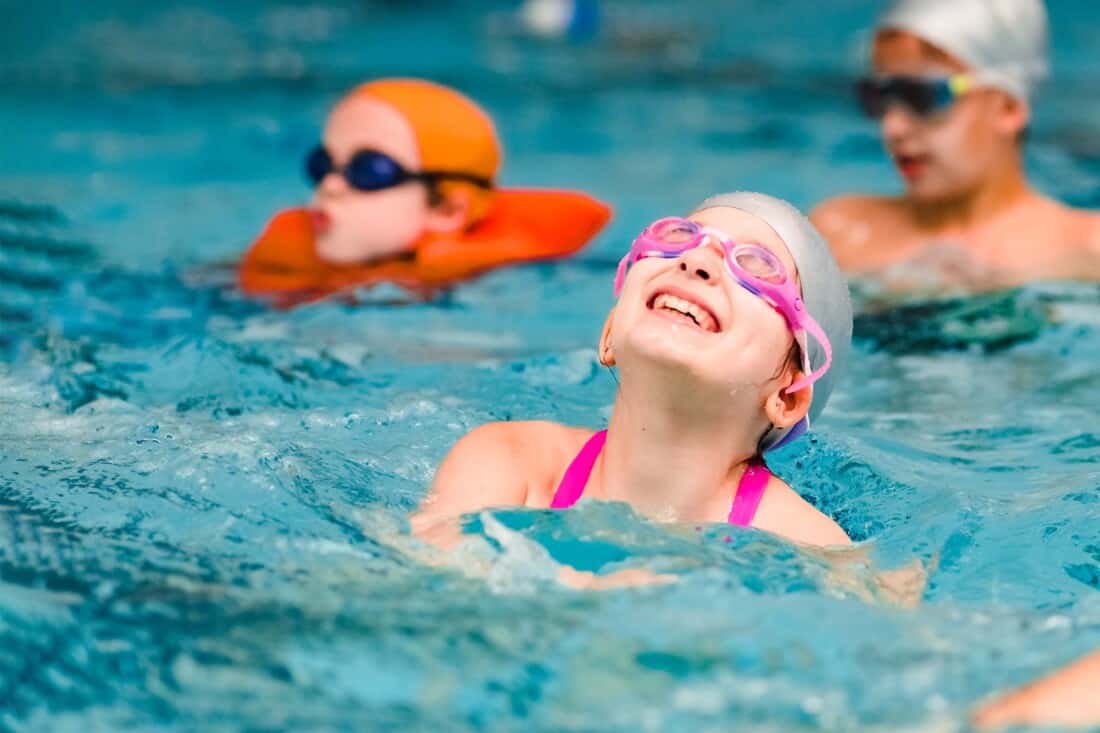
(203, 502)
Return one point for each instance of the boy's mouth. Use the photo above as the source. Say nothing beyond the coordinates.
(911, 167)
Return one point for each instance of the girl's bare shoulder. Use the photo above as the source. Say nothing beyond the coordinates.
(784, 512)
(538, 449)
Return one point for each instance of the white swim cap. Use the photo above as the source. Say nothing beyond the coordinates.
(824, 291)
(1004, 41)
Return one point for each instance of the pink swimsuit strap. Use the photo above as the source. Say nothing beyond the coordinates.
(576, 476)
(750, 490)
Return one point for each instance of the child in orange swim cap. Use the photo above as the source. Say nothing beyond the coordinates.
(389, 126)
(405, 193)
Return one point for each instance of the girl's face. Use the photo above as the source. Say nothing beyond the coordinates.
(354, 226)
(691, 317)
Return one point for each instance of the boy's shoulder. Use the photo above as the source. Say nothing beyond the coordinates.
(1086, 226)
(1072, 234)
(858, 204)
(860, 228)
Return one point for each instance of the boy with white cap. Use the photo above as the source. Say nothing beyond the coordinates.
(952, 85)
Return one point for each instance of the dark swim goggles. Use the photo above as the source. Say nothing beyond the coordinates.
(922, 96)
(371, 170)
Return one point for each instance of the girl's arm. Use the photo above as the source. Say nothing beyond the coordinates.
(1069, 697)
(483, 469)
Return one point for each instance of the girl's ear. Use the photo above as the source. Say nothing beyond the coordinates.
(784, 408)
(606, 353)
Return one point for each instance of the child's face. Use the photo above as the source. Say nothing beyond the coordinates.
(949, 152)
(735, 345)
(354, 226)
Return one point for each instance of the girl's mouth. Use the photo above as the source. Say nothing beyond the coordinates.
(685, 310)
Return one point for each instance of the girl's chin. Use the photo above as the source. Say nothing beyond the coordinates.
(664, 357)
(684, 364)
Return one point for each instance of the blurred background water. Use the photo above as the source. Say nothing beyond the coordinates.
(203, 502)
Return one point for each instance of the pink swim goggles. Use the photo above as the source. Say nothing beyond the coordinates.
(753, 266)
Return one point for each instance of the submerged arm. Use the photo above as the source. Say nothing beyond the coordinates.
(487, 468)
(482, 470)
(1066, 698)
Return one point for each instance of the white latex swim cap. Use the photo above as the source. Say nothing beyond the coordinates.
(1004, 41)
(824, 290)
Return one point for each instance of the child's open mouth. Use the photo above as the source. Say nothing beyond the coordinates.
(911, 166)
(684, 310)
(320, 220)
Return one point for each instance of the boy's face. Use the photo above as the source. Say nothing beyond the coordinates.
(950, 151)
(353, 226)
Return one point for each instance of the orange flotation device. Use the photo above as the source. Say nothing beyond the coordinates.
(521, 226)
(506, 226)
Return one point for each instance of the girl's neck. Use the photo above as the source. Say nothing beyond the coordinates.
(672, 464)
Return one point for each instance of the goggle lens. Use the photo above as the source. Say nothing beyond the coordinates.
(373, 171)
(760, 264)
(368, 170)
(923, 97)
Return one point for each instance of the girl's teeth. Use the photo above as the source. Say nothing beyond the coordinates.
(679, 305)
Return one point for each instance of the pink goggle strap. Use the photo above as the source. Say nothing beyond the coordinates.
(809, 325)
(620, 274)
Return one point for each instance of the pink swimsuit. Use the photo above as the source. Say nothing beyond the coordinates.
(745, 502)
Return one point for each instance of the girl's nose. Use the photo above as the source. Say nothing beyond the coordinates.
(703, 262)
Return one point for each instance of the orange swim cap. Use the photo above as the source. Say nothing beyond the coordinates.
(452, 131)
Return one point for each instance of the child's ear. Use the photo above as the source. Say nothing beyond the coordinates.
(606, 353)
(1015, 114)
(784, 408)
(451, 213)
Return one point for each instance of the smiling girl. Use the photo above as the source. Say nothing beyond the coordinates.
(730, 330)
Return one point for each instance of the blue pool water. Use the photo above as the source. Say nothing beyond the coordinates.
(203, 503)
